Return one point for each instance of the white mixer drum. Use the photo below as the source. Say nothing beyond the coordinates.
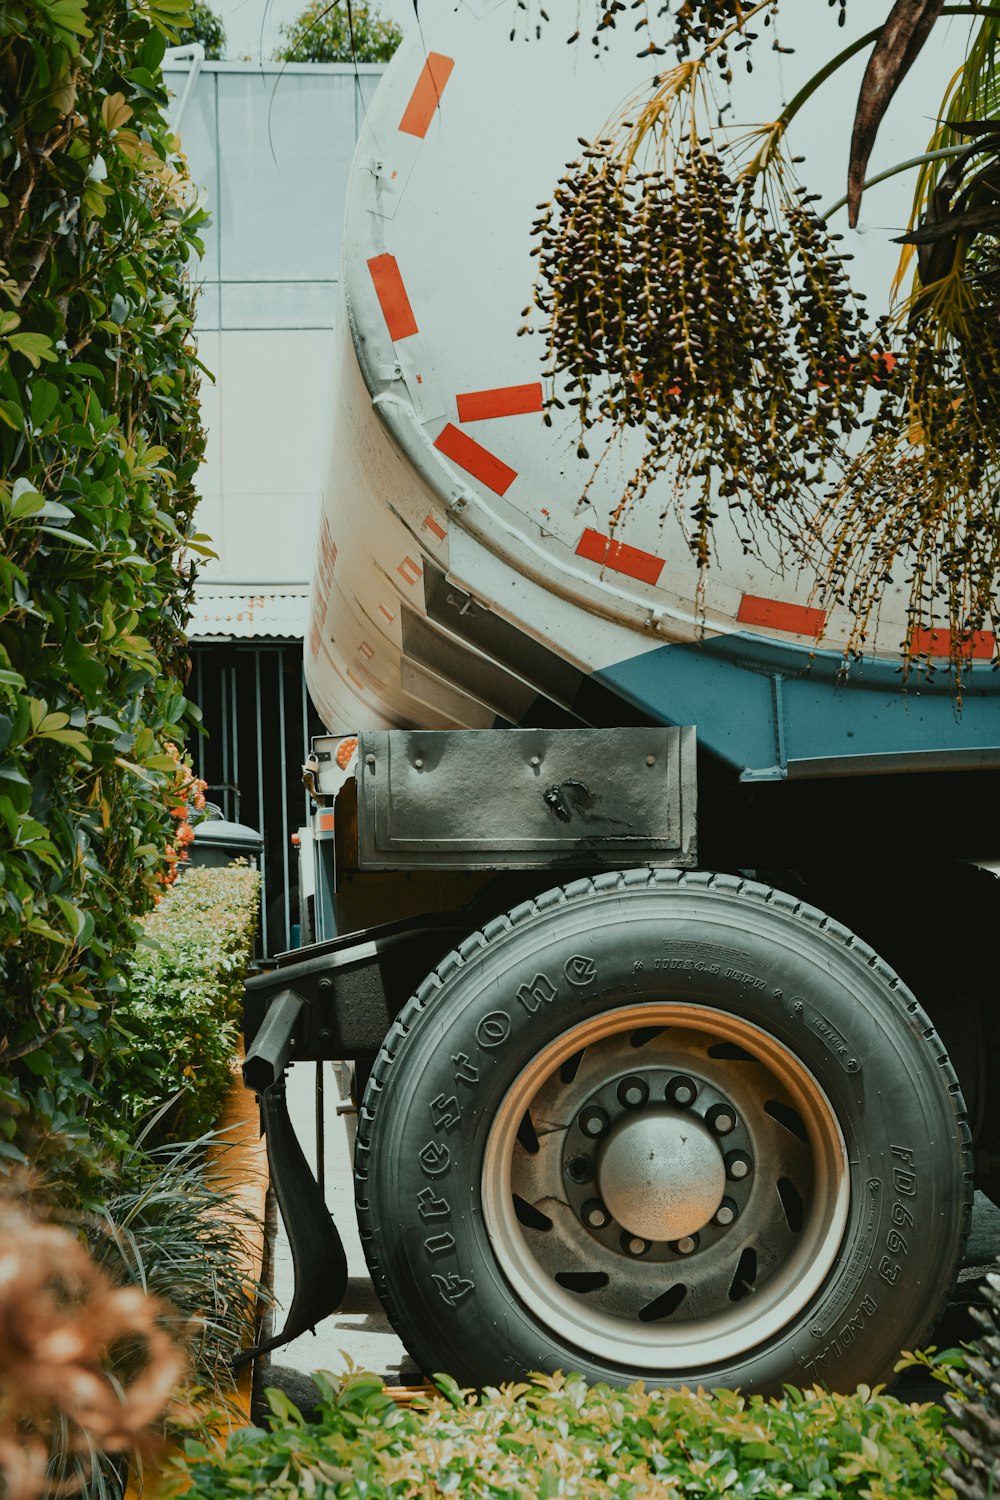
(443, 472)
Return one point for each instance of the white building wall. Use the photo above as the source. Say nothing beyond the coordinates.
(271, 146)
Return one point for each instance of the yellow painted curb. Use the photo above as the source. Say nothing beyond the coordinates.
(404, 1395)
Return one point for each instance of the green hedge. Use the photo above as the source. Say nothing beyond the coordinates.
(559, 1437)
(100, 439)
(176, 1034)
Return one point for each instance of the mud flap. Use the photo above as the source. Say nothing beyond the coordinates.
(318, 1259)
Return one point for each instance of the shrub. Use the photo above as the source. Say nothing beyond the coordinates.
(205, 27)
(327, 33)
(176, 1033)
(100, 438)
(559, 1437)
(133, 1343)
(61, 1390)
(974, 1405)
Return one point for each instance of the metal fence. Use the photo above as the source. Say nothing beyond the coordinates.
(258, 722)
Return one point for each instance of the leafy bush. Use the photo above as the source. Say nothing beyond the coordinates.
(205, 27)
(559, 1437)
(326, 33)
(100, 438)
(142, 1331)
(974, 1405)
(176, 1033)
(61, 1321)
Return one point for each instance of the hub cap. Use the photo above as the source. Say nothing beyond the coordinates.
(662, 1175)
(666, 1187)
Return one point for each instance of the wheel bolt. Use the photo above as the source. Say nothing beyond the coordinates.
(738, 1165)
(633, 1245)
(686, 1246)
(720, 1119)
(579, 1169)
(595, 1215)
(681, 1091)
(726, 1213)
(593, 1120)
(633, 1092)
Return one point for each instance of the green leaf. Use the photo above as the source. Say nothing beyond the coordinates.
(51, 721)
(74, 737)
(75, 918)
(44, 400)
(69, 15)
(26, 501)
(34, 346)
(12, 414)
(72, 537)
(160, 763)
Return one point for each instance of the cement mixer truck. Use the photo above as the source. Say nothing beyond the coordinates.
(659, 950)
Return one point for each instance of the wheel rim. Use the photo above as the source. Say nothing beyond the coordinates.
(656, 1230)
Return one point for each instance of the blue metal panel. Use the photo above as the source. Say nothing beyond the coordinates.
(774, 710)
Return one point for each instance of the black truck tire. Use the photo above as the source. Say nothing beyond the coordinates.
(676, 1127)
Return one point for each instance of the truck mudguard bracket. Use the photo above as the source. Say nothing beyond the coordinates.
(349, 990)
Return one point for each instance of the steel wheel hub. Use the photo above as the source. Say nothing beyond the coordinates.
(661, 1175)
(665, 1186)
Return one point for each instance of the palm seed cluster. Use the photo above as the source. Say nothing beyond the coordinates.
(699, 316)
(679, 303)
(695, 23)
(916, 507)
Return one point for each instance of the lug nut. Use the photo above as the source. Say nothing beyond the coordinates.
(593, 1120)
(738, 1165)
(633, 1092)
(686, 1246)
(726, 1213)
(681, 1091)
(595, 1215)
(633, 1245)
(579, 1169)
(720, 1119)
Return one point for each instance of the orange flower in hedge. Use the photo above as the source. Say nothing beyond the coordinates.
(188, 794)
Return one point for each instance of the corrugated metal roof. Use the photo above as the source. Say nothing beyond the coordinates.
(223, 612)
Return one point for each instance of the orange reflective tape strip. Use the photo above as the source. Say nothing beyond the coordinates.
(475, 459)
(427, 95)
(773, 614)
(504, 401)
(434, 526)
(977, 643)
(631, 561)
(391, 293)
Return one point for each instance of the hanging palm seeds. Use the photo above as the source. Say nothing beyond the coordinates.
(716, 318)
(699, 316)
